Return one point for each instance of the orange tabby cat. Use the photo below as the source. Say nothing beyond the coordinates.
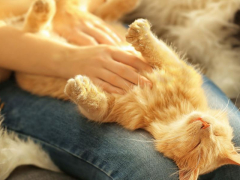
(174, 111)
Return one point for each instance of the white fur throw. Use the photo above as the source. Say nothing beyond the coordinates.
(15, 152)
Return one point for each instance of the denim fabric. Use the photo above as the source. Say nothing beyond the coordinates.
(87, 150)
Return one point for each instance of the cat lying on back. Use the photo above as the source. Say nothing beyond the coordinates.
(174, 111)
(176, 105)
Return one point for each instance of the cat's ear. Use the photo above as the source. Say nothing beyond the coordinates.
(189, 174)
(233, 158)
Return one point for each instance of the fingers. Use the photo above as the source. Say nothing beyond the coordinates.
(94, 4)
(107, 87)
(100, 36)
(116, 80)
(131, 60)
(80, 38)
(86, 29)
(128, 73)
(104, 27)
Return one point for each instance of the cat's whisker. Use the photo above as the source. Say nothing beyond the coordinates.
(190, 144)
(172, 142)
(220, 113)
(236, 100)
(232, 110)
(172, 139)
(237, 149)
(224, 109)
(237, 110)
(175, 173)
(199, 157)
(138, 140)
(144, 136)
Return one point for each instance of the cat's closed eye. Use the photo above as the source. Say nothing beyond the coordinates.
(217, 133)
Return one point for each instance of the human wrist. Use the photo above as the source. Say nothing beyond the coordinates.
(67, 63)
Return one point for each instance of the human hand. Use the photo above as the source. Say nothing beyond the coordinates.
(83, 28)
(111, 68)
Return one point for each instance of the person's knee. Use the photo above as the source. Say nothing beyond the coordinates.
(141, 161)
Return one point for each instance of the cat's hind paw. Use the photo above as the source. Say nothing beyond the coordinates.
(137, 30)
(139, 34)
(38, 16)
(41, 6)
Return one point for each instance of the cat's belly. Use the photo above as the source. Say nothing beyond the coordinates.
(164, 102)
(42, 85)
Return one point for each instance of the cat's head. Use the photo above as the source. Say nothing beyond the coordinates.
(198, 143)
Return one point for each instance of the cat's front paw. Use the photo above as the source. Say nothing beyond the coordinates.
(91, 100)
(82, 91)
(76, 88)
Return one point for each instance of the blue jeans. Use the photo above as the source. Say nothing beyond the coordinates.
(87, 150)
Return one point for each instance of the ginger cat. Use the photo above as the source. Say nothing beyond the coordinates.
(174, 111)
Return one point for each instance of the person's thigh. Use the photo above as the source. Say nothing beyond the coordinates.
(92, 151)
(83, 149)
(217, 100)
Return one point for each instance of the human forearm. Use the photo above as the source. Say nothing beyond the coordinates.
(13, 7)
(107, 66)
(29, 53)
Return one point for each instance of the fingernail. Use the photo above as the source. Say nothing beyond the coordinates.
(150, 70)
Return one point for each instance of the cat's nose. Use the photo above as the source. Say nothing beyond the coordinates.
(205, 125)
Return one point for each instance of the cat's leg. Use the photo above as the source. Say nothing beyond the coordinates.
(155, 51)
(39, 15)
(161, 56)
(91, 100)
(113, 10)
